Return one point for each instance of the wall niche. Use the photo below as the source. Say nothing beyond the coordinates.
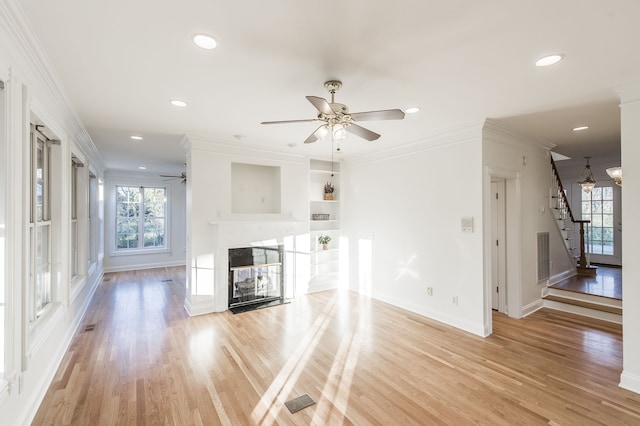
(255, 189)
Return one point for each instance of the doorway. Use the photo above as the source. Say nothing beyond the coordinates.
(498, 246)
(504, 257)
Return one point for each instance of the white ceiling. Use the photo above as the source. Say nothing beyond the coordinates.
(461, 61)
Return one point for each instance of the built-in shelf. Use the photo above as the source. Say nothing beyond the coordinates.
(324, 250)
(325, 264)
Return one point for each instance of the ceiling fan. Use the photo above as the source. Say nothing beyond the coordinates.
(182, 176)
(335, 117)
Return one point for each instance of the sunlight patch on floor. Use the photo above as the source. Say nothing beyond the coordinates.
(332, 407)
(267, 410)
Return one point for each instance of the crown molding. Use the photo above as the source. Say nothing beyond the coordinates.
(196, 143)
(435, 141)
(504, 135)
(48, 97)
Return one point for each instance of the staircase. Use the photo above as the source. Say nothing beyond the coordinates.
(567, 223)
(603, 308)
(589, 305)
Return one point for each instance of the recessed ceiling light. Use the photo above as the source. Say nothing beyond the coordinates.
(577, 129)
(412, 110)
(205, 41)
(549, 60)
(136, 138)
(178, 103)
(142, 168)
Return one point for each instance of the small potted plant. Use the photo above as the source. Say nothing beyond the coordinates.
(323, 240)
(328, 191)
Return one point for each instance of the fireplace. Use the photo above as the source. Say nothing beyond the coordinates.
(255, 276)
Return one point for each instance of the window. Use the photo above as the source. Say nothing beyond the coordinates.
(140, 218)
(75, 163)
(39, 226)
(3, 244)
(92, 222)
(597, 206)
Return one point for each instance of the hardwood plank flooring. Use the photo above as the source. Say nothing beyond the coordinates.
(362, 361)
(606, 283)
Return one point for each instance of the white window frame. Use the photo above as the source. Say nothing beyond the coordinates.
(5, 309)
(40, 269)
(74, 236)
(140, 250)
(589, 216)
(92, 220)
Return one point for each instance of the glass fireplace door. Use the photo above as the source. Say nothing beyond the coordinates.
(251, 279)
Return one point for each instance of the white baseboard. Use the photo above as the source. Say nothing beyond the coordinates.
(56, 359)
(478, 329)
(141, 266)
(630, 382)
(532, 307)
(554, 279)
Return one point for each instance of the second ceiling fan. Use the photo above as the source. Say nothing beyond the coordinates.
(336, 118)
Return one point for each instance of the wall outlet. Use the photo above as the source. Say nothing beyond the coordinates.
(429, 291)
(455, 300)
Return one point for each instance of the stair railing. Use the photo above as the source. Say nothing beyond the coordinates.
(562, 204)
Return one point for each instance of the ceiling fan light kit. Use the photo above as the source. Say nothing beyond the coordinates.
(335, 117)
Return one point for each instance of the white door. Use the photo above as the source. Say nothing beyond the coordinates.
(498, 249)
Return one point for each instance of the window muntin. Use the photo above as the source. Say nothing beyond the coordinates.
(597, 206)
(140, 218)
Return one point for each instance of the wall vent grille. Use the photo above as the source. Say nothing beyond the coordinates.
(543, 256)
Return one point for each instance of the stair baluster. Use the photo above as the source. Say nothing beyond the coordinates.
(560, 204)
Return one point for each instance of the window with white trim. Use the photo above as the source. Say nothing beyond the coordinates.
(3, 230)
(39, 226)
(597, 206)
(75, 163)
(92, 222)
(140, 218)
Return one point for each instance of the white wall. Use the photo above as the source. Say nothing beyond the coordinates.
(35, 349)
(529, 163)
(630, 119)
(402, 212)
(213, 227)
(175, 255)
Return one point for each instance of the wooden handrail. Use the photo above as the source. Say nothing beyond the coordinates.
(582, 262)
(564, 196)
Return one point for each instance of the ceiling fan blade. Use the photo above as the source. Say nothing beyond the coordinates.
(387, 114)
(321, 105)
(317, 135)
(362, 132)
(311, 120)
(170, 176)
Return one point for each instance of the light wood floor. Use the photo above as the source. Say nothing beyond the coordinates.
(607, 283)
(363, 361)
